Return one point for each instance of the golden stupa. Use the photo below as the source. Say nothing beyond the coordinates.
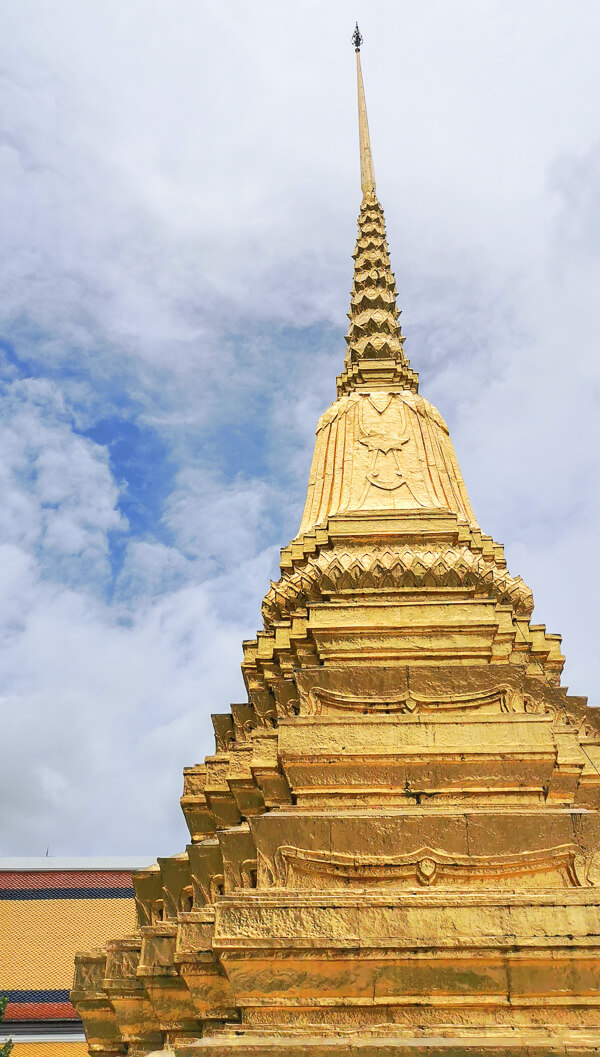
(395, 848)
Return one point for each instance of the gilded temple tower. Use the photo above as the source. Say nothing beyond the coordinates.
(395, 847)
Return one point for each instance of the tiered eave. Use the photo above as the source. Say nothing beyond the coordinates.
(375, 356)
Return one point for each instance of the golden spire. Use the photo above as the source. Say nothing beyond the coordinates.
(375, 356)
(367, 171)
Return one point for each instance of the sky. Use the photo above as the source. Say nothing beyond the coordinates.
(180, 186)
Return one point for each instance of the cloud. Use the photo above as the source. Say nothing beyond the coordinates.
(59, 496)
(87, 696)
(180, 191)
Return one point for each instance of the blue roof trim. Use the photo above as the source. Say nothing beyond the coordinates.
(66, 893)
(37, 996)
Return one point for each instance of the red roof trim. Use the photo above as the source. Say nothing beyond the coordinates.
(24, 880)
(19, 1011)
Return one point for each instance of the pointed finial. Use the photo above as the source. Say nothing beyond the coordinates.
(367, 171)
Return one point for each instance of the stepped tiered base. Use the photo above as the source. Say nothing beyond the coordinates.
(395, 846)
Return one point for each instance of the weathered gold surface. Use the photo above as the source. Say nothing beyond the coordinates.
(383, 451)
(367, 170)
(395, 847)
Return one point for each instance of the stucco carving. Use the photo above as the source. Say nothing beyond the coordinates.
(564, 866)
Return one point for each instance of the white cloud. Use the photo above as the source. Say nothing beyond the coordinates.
(59, 498)
(99, 697)
(213, 523)
(99, 703)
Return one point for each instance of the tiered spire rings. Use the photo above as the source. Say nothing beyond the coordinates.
(375, 356)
